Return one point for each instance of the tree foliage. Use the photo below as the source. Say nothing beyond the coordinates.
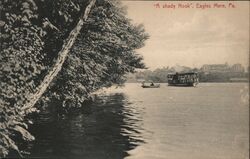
(21, 64)
(26, 47)
(33, 32)
(101, 56)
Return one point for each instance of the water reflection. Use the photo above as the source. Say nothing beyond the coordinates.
(208, 122)
(107, 128)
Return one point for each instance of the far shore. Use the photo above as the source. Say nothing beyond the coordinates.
(201, 82)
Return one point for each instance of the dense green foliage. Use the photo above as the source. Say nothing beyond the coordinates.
(32, 33)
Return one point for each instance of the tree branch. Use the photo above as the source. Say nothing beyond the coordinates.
(60, 60)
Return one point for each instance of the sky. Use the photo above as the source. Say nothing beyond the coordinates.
(192, 36)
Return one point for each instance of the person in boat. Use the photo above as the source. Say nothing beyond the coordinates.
(143, 83)
(152, 84)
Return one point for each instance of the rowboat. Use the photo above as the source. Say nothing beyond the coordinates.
(153, 86)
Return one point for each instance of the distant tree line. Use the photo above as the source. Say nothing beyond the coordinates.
(160, 75)
(223, 77)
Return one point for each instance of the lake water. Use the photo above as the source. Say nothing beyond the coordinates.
(210, 121)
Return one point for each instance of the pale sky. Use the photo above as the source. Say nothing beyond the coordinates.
(192, 37)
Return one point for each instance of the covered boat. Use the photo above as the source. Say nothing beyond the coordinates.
(183, 79)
